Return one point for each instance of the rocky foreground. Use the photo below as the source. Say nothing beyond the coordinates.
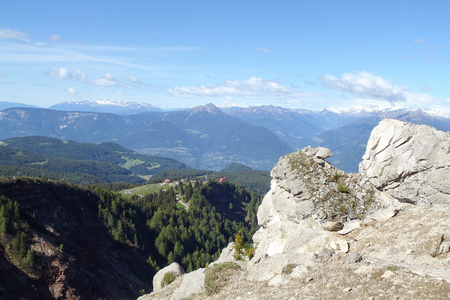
(383, 233)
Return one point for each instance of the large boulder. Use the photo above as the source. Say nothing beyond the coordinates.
(409, 162)
(158, 280)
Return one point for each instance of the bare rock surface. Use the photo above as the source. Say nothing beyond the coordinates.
(410, 162)
(383, 233)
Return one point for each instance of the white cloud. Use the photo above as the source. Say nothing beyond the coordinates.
(81, 75)
(263, 50)
(54, 38)
(368, 86)
(108, 80)
(2, 74)
(134, 80)
(72, 90)
(6, 34)
(253, 88)
(62, 73)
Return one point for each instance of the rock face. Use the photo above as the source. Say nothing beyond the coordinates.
(316, 220)
(307, 195)
(410, 162)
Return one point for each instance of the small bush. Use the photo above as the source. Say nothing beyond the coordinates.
(241, 250)
(392, 268)
(169, 277)
(287, 269)
(342, 188)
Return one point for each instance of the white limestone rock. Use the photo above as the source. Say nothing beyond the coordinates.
(159, 277)
(193, 283)
(226, 255)
(410, 162)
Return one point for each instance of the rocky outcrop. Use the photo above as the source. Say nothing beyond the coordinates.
(383, 224)
(160, 279)
(410, 162)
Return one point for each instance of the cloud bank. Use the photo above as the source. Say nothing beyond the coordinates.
(368, 86)
(252, 88)
(108, 80)
(7, 34)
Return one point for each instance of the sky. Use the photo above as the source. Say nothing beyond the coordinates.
(177, 54)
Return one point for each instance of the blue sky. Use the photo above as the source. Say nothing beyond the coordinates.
(171, 54)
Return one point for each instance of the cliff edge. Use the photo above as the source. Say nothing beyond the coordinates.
(380, 234)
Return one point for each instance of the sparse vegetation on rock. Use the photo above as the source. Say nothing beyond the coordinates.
(217, 276)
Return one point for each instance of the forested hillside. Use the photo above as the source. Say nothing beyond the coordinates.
(92, 242)
(82, 163)
(255, 180)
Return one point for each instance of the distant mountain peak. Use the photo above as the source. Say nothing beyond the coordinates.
(106, 105)
(386, 109)
(210, 108)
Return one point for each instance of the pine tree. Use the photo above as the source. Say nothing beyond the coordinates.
(239, 248)
(29, 258)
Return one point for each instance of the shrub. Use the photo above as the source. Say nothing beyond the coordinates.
(392, 268)
(342, 188)
(169, 277)
(287, 269)
(241, 250)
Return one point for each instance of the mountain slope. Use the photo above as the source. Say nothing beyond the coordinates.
(106, 106)
(79, 126)
(75, 256)
(90, 163)
(60, 241)
(224, 139)
(204, 136)
(5, 105)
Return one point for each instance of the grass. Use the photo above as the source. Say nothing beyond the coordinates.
(40, 162)
(144, 190)
(154, 166)
(217, 276)
(342, 188)
(392, 268)
(130, 162)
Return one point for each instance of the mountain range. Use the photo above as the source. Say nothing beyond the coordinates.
(106, 106)
(208, 137)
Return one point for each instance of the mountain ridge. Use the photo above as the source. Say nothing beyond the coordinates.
(209, 137)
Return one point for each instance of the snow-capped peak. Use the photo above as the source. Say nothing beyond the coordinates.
(106, 105)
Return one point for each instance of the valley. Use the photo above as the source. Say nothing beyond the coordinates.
(208, 137)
